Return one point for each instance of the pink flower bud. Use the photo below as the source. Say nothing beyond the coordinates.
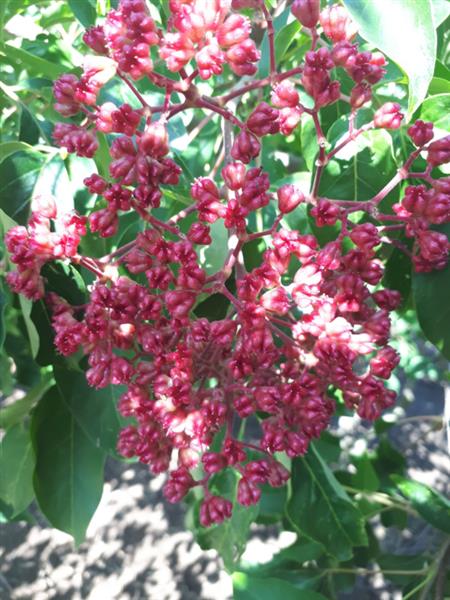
(179, 303)
(242, 58)
(384, 362)
(213, 462)
(387, 299)
(388, 116)
(180, 482)
(214, 510)
(95, 184)
(104, 221)
(306, 11)
(264, 120)
(64, 90)
(276, 301)
(284, 95)
(365, 236)
(246, 147)
(94, 37)
(155, 140)
(44, 205)
(341, 52)
(360, 94)
(434, 246)
(235, 30)
(199, 233)
(289, 197)
(337, 24)
(325, 213)
(234, 175)
(439, 152)
(421, 132)
(248, 493)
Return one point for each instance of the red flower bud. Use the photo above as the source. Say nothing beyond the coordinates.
(306, 11)
(388, 116)
(421, 132)
(246, 147)
(439, 152)
(289, 197)
(264, 120)
(337, 24)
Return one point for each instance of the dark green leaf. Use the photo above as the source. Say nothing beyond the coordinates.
(94, 410)
(431, 295)
(431, 505)
(16, 469)
(437, 110)
(15, 412)
(365, 477)
(248, 587)
(414, 50)
(68, 479)
(321, 510)
(84, 11)
(19, 174)
(8, 148)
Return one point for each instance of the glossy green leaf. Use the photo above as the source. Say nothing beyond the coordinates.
(84, 11)
(431, 505)
(437, 110)
(15, 412)
(361, 168)
(213, 257)
(16, 469)
(94, 410)
(248, 587)
(365, 477)
(33, 334)
(441, 10)
(413, 48)
(68, 478)
(321, 510)
(19, 174)
(431, 296)
(9, 148)
(33, 63)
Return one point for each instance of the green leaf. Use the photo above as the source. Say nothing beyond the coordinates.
(35, 65)
(213, 257)
(68, 478)
(94, 410)
(431, 505)
(84, 11)
(441, 10)
(413, 48)
(431, 296)
(248, 587)
(26, 305)
(16, 470)
(437, 110)
(8, 148)
(19, 174)
(361, 168)
(15, 412)
(321, 510)
(365, 477)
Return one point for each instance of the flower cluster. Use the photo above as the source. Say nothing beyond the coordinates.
(206, 31)
(309, 324)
